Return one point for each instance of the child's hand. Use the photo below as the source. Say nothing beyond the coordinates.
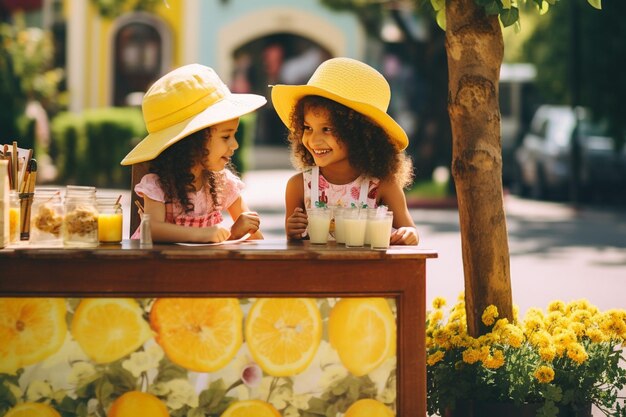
(297, 224)
(404, 236)
(247, 222)
(216, 234)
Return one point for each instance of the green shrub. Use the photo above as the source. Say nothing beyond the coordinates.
(89, 146)
(245, 138)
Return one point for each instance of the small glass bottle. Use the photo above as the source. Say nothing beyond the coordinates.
(80, 227)
(44, 218)
(15, 222)
(145, 232)
(110, 220)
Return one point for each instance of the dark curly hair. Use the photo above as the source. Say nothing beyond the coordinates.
(174, 164)
(370, 149)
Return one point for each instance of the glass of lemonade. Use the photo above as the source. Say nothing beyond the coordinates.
(355, 222)
(319, 224)
(379, 224)
(340, 228)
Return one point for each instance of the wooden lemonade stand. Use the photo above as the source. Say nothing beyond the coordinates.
(251, 269)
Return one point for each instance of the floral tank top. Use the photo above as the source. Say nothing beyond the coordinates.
(362, 190)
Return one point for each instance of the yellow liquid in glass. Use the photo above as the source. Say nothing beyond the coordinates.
(110, 227)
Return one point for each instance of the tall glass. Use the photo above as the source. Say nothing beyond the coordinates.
(319, 224)
(379, 224)
(355, 222)
(340, 227)
(110, 220)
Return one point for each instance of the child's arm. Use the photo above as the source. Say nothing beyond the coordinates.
(296, 220)
(168, 232)
(246, 221)
(391, 195)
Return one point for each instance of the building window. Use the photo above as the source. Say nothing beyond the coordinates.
(138, 57)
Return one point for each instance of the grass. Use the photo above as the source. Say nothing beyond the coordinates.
(428, 190)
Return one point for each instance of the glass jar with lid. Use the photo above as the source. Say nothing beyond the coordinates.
(46, 218)
(80, 227)
(110, 219)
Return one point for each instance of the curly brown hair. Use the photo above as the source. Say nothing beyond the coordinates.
(174, 165)
(370, 150)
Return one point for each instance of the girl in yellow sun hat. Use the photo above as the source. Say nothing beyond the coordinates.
(350, 151)
(192, 118)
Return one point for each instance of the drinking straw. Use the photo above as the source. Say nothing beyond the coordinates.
(16, 162)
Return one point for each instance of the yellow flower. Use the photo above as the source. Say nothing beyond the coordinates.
(490, 314)
(495, 360)
(439, 302)
(577, 353)
(547, 353)
(514, 335)
(471, 355)
(544, 374)
(596, 335)
(556, 305)
(435, 357)
(435, 317)
(541, 339)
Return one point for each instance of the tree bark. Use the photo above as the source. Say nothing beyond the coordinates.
(475, 48)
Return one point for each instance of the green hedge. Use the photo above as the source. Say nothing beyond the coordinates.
(88, 147)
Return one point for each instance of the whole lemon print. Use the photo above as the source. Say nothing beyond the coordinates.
(363, 331)
(31, 329)
(283, 334)
(200, 334)
(250, 408)
(136, 404)
(32, 410)
(108, 329)
(368, 408)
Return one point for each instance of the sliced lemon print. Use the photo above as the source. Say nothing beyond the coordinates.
(31, 329)
(136, 404)
(368, 408)
(32, 410)
(108, 329)
(363, 331)
(250, 408)
(199, 334)
(283, 334)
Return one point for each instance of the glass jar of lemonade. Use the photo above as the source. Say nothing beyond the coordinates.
(110, 219)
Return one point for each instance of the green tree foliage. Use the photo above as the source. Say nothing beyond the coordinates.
(111, 9)
(26, 73)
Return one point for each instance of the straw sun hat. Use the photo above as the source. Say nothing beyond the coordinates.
(351, 83)
(184, 101)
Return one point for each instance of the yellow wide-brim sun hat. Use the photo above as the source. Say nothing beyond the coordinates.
(183, 101)
(350, 82)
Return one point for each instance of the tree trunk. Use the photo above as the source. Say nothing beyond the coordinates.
(475, 48)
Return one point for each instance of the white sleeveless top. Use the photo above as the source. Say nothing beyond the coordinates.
(362, 190)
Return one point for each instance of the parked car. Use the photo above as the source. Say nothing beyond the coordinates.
(547, 162)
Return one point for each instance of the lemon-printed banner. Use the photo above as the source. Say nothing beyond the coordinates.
(109, 328)
(225, 357)
(199, 334)
(283, 334)
(31, 329)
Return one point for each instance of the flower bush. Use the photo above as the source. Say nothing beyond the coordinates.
(562, 359)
